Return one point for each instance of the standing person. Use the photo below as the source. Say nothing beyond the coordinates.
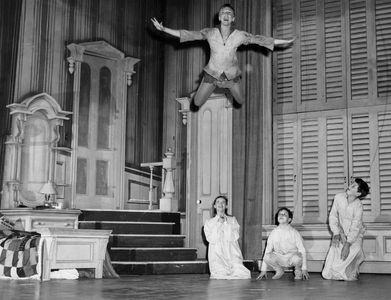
(222, 233)
(284, 248)
(345, 220)
(222, 69)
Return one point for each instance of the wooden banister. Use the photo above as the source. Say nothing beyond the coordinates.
(168, 188)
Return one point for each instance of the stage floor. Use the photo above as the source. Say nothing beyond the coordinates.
(170, 287)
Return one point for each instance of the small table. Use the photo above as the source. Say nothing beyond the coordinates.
(66, 248)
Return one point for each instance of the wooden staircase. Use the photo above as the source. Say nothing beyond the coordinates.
(145, 242)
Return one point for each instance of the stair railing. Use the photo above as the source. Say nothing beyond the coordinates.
(168, 188)
(151, 166)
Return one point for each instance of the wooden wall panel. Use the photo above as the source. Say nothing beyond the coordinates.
(9, 27)
(175, 80)
(47, 26)
(41, 30)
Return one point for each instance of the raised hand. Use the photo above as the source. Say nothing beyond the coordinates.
(284, 43)
(288, 42)
(158, 25)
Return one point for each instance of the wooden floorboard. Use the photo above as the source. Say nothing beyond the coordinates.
(198, 286)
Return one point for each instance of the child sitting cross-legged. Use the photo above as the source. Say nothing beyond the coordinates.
(284, 248)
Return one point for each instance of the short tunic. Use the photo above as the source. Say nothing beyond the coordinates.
(223, 58)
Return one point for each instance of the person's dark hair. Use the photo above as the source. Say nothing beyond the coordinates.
(214, 202)
(290, 214)
(227, 5)
(363, 188)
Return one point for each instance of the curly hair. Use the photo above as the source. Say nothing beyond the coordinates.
(290, 214)
(363, 188)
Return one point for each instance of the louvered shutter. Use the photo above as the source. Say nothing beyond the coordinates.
(370, 138)
(340, 60)
(336, 156)
(361, 158)
(383, 46)
(335, 69)
(308, 52)
(311, 74)
(384, 146)
(358, 50)
(309, 166)
(322, 164)
(283, 77)
(310, 154)
(285, 161)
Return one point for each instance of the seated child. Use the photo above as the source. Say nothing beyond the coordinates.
(284, 248)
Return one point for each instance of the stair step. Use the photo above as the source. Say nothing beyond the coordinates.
(150, 240)
(119, 227)
(145, 242)
(130, 215)
(161, 267)
(153, 254)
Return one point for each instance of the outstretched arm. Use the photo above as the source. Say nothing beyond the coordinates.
(159, 26)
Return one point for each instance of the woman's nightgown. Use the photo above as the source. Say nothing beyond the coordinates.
(224, 254)
(345, 219)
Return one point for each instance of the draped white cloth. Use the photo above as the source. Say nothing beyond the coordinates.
(224, 254)
(345, 219)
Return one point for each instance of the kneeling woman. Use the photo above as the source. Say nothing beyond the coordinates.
(224, 255)
(346, 223)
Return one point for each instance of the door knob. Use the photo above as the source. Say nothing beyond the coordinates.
(199, 201)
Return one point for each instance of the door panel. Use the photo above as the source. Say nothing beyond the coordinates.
(211, 140)
(96, 152)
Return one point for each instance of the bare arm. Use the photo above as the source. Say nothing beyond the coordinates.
(279, 42)
(159, 26)
(269, 248)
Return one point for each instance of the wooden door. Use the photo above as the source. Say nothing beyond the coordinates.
(97, 126)
(210, 143)
(101, 76)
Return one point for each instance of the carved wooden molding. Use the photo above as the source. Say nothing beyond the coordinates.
(104, 50)
(31, 149)
(185, 108)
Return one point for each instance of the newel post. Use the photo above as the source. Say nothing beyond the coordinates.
(168, 185)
